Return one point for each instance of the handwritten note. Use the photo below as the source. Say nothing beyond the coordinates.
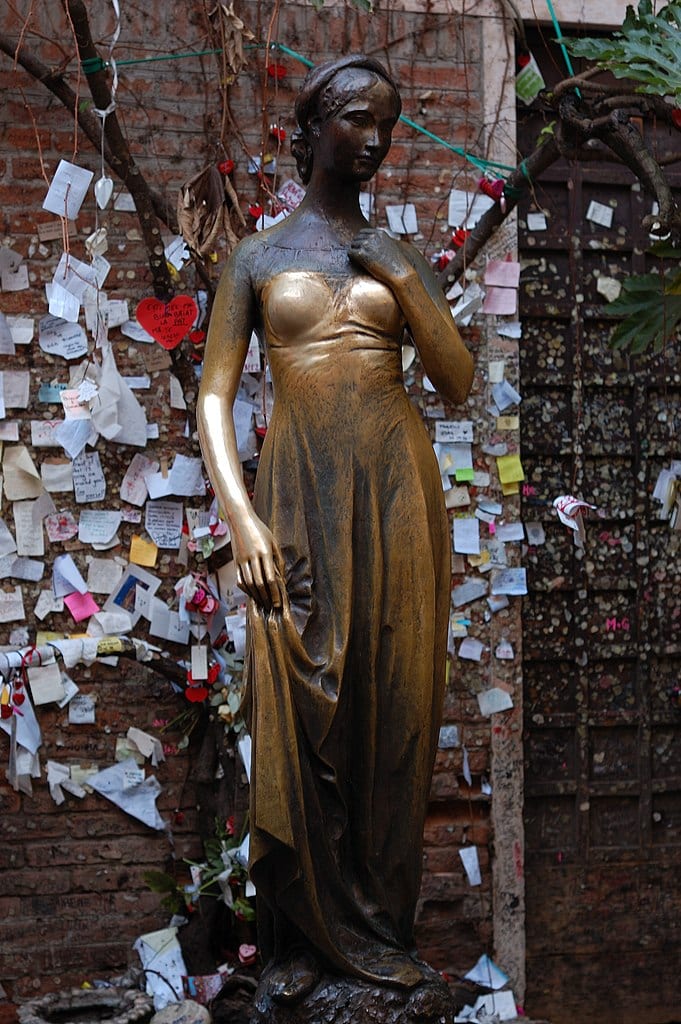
(58, 337)
(133, 487)
(88, 478)
(67, 190)
(453, 431)
(12, 605)
(30, 541)
(509, 581)
(98, 526)
(163, 523)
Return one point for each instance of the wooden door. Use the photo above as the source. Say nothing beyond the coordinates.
(602, 628)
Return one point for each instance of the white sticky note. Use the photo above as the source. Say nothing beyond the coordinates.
(98, 526)
(57, 476)
(453, 431)
(12, 605)
(536, 221)
(22, 329)
(466, 208)
(510, 532)
(82, 709)
(88, 478)
(509, 581)
(599, 213)
(163, 523)
(505, 395)
(67, 190)
(57, 336)
(30, 540)
(402, 219)
(493, 701)
(470, 649)
(467, 536)
(46, 683)
(469, 859)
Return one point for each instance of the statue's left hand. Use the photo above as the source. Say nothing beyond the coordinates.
(381, 256)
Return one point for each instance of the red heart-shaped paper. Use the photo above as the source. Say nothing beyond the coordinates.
(18, 698)
(196, 694)
(167, 322)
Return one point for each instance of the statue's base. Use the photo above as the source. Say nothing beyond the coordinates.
(342, 1000)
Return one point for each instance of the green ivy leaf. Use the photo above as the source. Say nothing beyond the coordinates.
(650, 307)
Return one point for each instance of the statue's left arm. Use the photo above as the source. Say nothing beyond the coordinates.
(445, 358)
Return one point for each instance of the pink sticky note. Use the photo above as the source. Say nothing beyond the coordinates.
(492, 528)
(81, 606)
(503, 301)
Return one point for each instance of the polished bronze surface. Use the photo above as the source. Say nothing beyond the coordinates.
(344, 553)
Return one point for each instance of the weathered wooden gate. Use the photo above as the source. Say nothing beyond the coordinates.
(602, 631)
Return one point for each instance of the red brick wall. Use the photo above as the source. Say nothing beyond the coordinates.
(73, 899)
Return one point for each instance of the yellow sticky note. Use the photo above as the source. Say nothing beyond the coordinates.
(510, 468)
(110, 645)
(44, 636)
(143, 552)
(482, 559)
(507, 489)
(508, 422)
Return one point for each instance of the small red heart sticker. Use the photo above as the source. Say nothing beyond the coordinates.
(18, 698)
(167, 322)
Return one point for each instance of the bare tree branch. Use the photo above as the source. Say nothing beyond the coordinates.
(519, 182)
(89, 123)
(101, 94)
(621, 136)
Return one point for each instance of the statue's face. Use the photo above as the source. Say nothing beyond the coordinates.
(353, 141)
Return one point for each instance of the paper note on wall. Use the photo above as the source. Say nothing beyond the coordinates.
(30, 540)
(58, 337)
(163, 523)
(467, 536)
(88, 478)
(67, 190)
(20, 477)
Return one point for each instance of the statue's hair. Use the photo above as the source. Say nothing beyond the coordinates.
(317, 97)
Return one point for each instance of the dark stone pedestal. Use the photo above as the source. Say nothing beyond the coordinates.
(337, 1000)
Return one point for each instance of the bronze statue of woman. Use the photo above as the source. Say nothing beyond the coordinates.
(344, 554)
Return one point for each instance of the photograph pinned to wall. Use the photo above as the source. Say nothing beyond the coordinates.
(124, 597)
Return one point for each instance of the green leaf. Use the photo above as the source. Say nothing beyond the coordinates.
(665, 249)
(650, 307)
(646, 50)
(159, 881)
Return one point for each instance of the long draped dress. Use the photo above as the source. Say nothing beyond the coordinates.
(347, 681)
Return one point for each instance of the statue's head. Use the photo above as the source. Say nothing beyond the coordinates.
(346, 110)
